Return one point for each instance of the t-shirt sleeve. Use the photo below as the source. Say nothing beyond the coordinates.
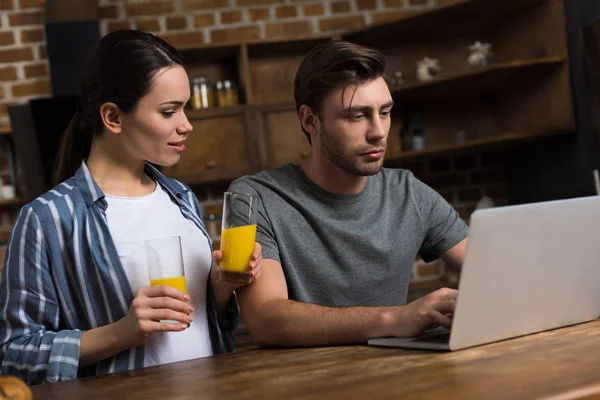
(442, 225)
(264, 230)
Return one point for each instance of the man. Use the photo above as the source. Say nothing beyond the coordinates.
(340, 233)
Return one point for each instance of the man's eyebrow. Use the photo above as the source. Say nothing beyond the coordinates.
(359, 108)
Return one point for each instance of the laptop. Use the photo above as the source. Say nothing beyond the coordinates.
(527, 269)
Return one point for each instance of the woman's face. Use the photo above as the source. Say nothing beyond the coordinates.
(156, 130)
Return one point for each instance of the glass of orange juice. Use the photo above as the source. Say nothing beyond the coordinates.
(165, 262)
(238, 235)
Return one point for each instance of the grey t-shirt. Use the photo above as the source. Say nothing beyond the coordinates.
(350, 250)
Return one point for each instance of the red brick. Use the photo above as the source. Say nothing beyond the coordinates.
(311, 10)
(259, 14)
(43, 52)
(340, 7)
(391, 16)
(364, 5)
(492, 159)
(32, 35)
(32, 3)
(487, 176)
(15, 55)
(29, 18)
(190, 5)
(465, 162)
(256, 2)
(204, 20)
(36, 70)
(465, 212)
(447, 194)
(148, 24)
(176, 23)
(286, 12)
(3, 110)
(231, 17)
(418, 2)
(235, 35)
(2, 94)
(8, 74)
(187, 39)
(118, 26)
(344, 23)
(31, 88)
(496, 192)
(468, 195)
(288, 29)
(445, 181)
(439, 165)
(108, 11)
(149, 8)
(7, 5)
(393, 3)
(418, 168)
(6, 38)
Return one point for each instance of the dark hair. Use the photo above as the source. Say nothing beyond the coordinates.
(332, 65)
(119, 71)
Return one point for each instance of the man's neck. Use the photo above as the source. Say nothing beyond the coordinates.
(332, 178)
(115, 174)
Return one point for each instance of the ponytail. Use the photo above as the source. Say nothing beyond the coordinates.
(74, 148)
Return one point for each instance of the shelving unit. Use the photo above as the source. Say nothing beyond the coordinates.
(524, 95)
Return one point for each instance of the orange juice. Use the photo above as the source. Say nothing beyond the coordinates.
(177, 282)
(237, 245)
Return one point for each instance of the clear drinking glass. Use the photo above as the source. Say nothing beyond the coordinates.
(165, 262)
(238, 235)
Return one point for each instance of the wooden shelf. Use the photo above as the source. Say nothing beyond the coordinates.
(475, 82)
(496, 142)
(215, 112)
(287, 106)
(449, 20)
(16, 202)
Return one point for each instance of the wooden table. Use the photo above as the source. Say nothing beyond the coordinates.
(561, 364)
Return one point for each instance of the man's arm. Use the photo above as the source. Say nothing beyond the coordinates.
(274, 320)
(456, 255)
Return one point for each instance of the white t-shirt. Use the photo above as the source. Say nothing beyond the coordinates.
(132, 221)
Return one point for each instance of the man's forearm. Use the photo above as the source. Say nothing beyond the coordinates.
(286, 323)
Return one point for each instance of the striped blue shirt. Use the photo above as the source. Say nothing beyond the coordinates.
(62, 276)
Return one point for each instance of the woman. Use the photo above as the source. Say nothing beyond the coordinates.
(74, 297)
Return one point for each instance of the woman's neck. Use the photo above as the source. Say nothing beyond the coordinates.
(116, 174)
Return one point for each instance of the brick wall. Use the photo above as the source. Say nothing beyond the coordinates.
(23, 58)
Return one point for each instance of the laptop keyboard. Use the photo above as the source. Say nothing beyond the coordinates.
(435, 337)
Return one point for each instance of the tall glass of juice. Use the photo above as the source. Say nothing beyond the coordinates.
(165, 262)
(238, 235)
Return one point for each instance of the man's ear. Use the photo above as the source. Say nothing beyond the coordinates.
(310, 121)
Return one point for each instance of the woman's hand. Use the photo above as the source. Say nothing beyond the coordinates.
(150, 306)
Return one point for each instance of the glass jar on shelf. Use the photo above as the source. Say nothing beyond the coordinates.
(202, 94)
(231, 93)
(227, 94)
(220, 94)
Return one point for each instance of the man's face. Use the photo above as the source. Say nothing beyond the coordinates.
(353, 127)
